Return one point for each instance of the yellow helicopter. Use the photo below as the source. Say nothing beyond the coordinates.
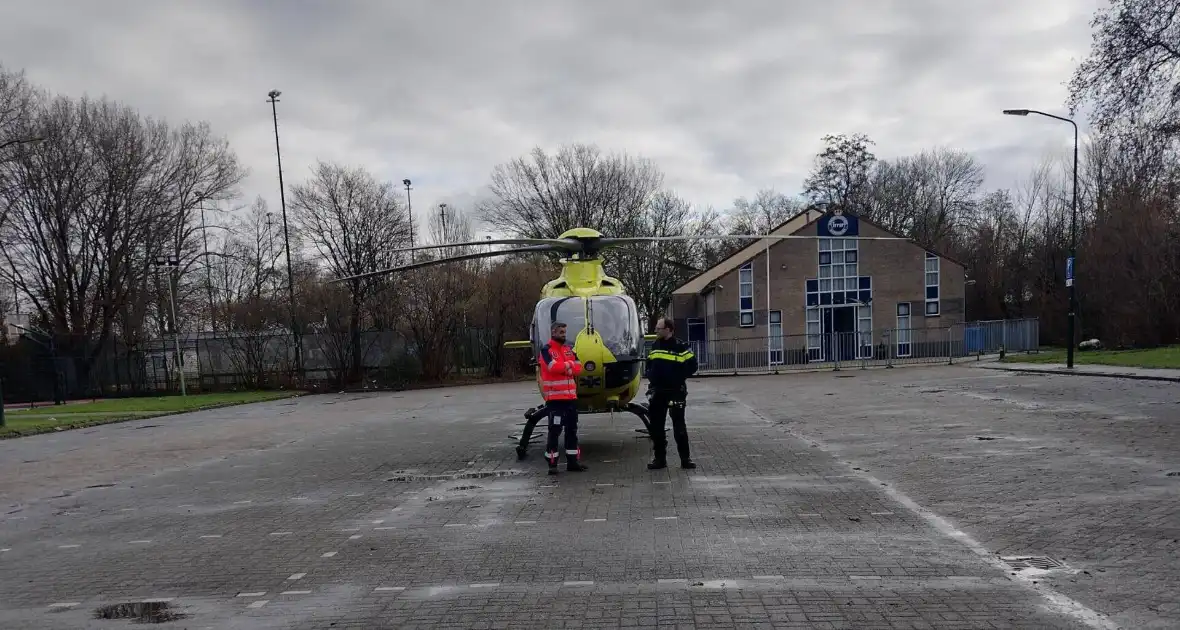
(601, 319)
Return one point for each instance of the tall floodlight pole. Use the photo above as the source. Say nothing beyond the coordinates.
(410, 212)
(1073, 230)
(274, 98)
(173, 262)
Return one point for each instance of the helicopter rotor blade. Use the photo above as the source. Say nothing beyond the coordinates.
(668, 261)
(563, 244)
(614, 242)
(451, 259)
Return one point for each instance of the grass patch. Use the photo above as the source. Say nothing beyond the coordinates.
(86, 414)
(1167, 357)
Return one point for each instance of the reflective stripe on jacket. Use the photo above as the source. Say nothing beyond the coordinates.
(559, 368)
(669, 364)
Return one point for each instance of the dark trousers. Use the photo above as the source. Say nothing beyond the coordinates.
(563, 414)
(663, 405)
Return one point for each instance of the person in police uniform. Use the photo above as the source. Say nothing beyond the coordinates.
(669, 364)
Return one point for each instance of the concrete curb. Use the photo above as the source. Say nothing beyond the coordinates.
(1067, 372)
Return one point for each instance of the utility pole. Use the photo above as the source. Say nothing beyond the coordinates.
(274, 98)
(410, 211)
(173, 262)
(208, 267)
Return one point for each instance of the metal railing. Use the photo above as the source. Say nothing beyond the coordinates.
(881, 347)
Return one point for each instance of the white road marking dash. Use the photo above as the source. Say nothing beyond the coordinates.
(596, 520)
(579, 583)
(389, 588)
(297, 576)
(68, 546)
(354, 536)
(486, 585)
(259, 604)
(526, 522)
(328, 554)
(280, 533)
(257, 594)
(295, 593)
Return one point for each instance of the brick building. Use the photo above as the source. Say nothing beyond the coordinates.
(824, 298)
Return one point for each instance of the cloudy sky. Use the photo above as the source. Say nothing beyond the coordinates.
(726, 97)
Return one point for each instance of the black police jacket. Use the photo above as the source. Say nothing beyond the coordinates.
(669, 364)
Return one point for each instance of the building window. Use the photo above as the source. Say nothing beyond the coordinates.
(903, 329)
(746, 295)
(776, 338)
(815, 338)
(864, 330)
(932, 273)
(838, 283)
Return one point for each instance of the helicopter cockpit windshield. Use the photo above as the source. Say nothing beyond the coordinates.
(614, 318)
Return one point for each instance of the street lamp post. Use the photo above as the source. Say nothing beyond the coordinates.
(410, 212)
(208, 267)
(1070, 269)
(274, 97)
(173, 262)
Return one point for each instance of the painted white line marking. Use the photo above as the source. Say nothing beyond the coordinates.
(768, 577)
(259, 604)
(604, 484)
(295, 593)
(809, 514)
(667, 518)
(280, 533)
(1058, 601)
(127, 510)
(258, 594)
(68, 546)
(383, 528)
(738, 516)
(486, 585)
(158, 599)
(881, 513)
(5, 549)
(242, 502)
(351, 529)
(526, 522)
(596, 520)
(963, 577)
(328, 554)
(139, 542)
(63, 605)
(609, 461)
(211, 536)
(864, 577)
(454, 525)
(662, 482)
(297, 576)
(354, 536)
(298, 498)
(671, 581)
(379, 521)
(579, 583)
(354, 495)
(389, 588)
(186, 505)
(547, 486)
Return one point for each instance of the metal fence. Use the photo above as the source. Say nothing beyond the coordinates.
(882, 347)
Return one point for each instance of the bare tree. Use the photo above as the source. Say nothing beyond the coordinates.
(542, 196)
(354, 223)
(925, 196)
(841, 173)
(652, 272)
(18, 99)
(1132, 73)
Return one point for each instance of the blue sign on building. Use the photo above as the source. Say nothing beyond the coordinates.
(837, 225)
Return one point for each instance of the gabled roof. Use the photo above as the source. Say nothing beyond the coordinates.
(703, 280)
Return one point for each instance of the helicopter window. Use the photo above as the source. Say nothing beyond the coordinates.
(569, 310)
(617, 321)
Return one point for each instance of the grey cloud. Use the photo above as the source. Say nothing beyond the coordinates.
(726, 98)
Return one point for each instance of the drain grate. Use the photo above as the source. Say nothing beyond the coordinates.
(1032, 562)
(139, 612)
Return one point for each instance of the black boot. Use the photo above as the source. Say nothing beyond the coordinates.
(657, 464)
(687, 463)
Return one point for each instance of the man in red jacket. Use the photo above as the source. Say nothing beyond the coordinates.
(559, 368)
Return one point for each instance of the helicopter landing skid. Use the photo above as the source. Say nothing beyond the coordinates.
(534, 415)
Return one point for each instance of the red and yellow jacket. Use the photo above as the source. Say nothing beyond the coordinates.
(559, 367)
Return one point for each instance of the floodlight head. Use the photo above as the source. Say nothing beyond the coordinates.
(406, 182)
(273, 93)
(1016, 112)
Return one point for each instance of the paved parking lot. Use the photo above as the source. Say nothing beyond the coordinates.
(857, 499)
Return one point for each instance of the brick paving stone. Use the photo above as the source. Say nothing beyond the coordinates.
(467, 535)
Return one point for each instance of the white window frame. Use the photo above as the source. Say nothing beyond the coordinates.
(700, 348)
(904, 342)
(813, 316)
(864, 333)
(933, 306)
(775, 341)
(742, 312)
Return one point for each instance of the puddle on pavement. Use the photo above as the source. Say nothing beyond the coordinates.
(139, 612)
(469, 474)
